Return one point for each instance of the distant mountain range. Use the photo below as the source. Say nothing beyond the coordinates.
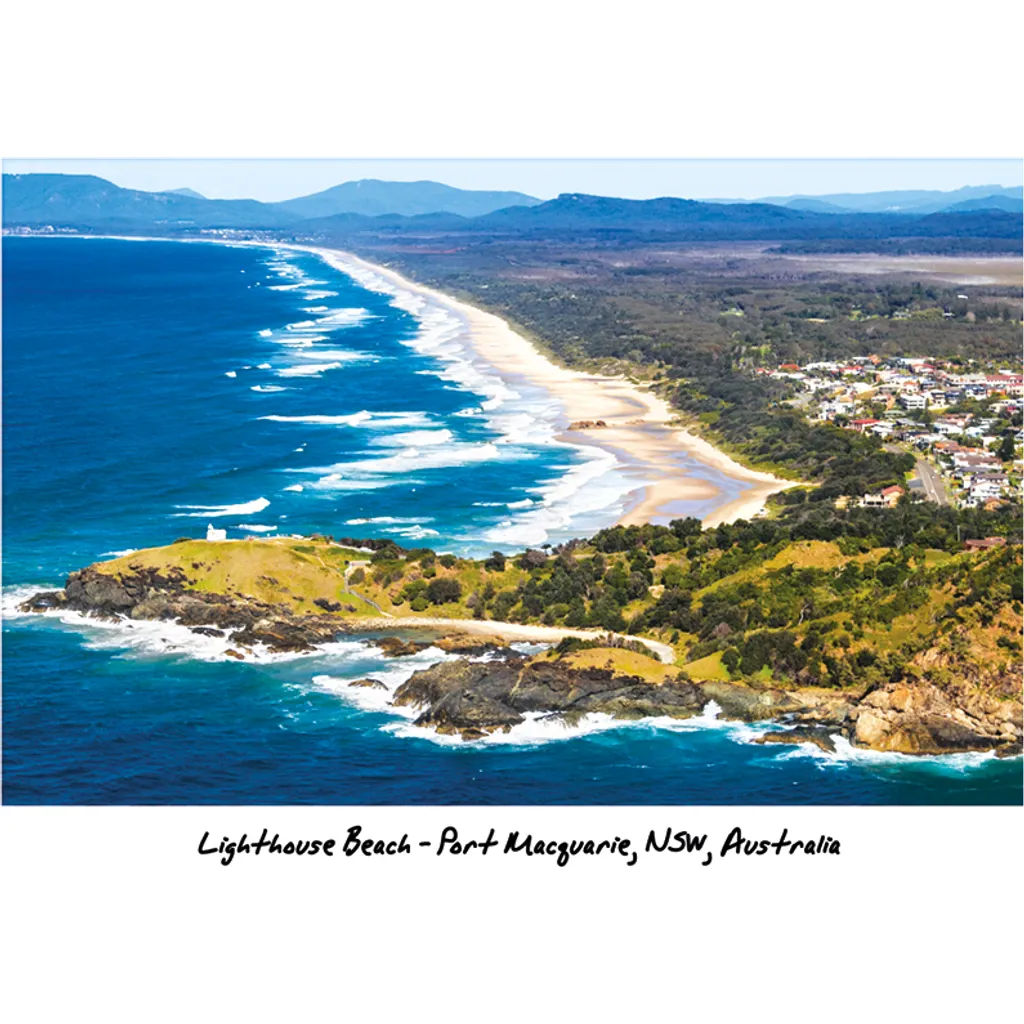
(910, 201)
(88, 203)
(85, 200)
(372, 198)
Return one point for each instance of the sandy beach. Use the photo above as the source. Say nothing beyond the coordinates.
(512, 631)
(640, 426)
(641, 429)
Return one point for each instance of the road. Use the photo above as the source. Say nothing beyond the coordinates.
(931, 480)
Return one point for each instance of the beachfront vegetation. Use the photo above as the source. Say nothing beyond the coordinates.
(821, 597)
(698, 324)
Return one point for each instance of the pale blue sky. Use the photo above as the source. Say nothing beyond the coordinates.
(271, 180)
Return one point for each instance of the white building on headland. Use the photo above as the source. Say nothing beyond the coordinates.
(214, 534)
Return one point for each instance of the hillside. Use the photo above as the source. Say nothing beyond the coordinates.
(373, 198)
(865, 623)
(411, 209)
(87, 202)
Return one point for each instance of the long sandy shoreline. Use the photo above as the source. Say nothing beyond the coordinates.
(641, 429)
(640, 426)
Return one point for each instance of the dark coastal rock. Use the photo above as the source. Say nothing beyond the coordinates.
(463, 695)
(395, 647)
(470, 697)
(821, 738)
(554, 686)
(232, 653)
(369, 684)
(749, 704)
(148, 594)
(473, 644)
(43, 601)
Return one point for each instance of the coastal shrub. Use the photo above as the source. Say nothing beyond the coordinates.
(420, 604)
(357, 577)
(731, 660)
(503, 604)
(569, 644)
(443, 591)
(577, 615)
(414, 589)
(447, 560)
(429, 572)
(496, 563)
(531, 558)
(390, 552)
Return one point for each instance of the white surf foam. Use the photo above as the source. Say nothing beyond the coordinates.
(415, 521)
(143, 638)
(412, 532)
(310, 370)
(204, 511)
(414, 439)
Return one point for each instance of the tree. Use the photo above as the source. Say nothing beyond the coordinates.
(443, 590)
(496, 563)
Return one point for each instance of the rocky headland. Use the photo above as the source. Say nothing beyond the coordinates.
(474, 698)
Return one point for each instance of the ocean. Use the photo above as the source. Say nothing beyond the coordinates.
(154, 388)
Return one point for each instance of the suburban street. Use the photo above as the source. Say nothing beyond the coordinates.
(931, 480)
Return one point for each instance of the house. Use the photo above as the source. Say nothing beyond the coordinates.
(912, 401)
(891, 495)
(214, 534)
(861, 426)
(984, 545)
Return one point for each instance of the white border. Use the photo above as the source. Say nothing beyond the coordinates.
(108, 913)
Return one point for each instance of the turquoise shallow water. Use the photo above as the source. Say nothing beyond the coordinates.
(153, 388)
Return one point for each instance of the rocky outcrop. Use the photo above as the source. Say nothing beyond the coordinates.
(476, 698)
(751, 704)
(473, 699)
(821, 738)
(395, 647)
(149, 594)
(920, 718)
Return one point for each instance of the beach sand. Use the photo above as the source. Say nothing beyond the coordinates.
(512, 631)
(641, 428)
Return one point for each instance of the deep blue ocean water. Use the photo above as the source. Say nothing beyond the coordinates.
(153, 388)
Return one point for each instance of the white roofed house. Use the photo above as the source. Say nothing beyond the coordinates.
(214, 534)
(984, 488)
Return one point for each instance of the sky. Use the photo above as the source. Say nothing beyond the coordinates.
(272, 180)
